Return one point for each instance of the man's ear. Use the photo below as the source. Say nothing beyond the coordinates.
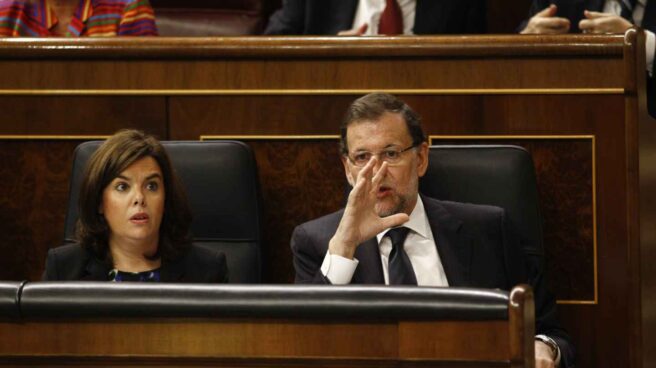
(347, 170)
(422, 159)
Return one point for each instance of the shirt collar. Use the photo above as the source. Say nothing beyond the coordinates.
(418, 222)
(83, 12)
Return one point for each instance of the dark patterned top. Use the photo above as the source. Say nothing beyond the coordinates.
(145, 276)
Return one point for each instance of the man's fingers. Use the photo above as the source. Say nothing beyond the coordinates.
(363, 179)
(594, 15)
(606, 24)
(549, 11)
(395, 220)
(587, 25)
(366, 171)
(378, 177)
(554, 25)
(355, 31)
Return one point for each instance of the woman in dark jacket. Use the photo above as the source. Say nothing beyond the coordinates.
(134, 221)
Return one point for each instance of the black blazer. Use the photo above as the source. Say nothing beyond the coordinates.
(328, 17)
(198, 265)
(475, 244)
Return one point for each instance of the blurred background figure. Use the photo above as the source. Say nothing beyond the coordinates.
(43, 18)
(372, 17)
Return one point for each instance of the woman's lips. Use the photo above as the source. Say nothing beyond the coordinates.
(140, 218)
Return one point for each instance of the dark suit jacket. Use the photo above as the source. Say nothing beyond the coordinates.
(198, 265)
(475, 244)
(573, 10)
(327, 17)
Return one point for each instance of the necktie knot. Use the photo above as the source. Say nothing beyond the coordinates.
(397, 235)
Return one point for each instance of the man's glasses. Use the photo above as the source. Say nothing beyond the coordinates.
(391, 156)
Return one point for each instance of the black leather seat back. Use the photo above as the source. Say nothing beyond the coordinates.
(220, 178)
(497, 175)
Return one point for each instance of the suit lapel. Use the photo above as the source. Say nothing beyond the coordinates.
(453, 246)
(370, 267)
(649, 18)
(594, 5)
(337, 15)
(428, 17)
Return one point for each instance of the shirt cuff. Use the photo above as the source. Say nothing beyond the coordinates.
(548, 340)
(650, 49)
(337, 269)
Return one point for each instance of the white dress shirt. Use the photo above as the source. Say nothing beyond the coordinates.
(419, 246)
(614, 7)
(369, 12)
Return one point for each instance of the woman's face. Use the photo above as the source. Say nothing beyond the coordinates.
(133, 204)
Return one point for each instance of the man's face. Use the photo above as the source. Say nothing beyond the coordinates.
(398, 190)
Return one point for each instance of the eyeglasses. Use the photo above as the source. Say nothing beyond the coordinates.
(391, 156)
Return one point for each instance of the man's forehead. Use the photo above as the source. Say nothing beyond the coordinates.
(390, 128)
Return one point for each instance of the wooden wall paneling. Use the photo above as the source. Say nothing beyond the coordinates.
(240, 74)
(81, 115)
(35, 191)
(268, 343)
(187, 64)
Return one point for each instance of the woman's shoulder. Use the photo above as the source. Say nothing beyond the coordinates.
(66, 262)
(73, 250)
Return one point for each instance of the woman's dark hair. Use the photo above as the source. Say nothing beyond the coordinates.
(113, 157)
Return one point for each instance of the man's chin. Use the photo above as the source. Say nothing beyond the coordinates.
(387, 209)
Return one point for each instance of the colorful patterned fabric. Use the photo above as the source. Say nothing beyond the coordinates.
(35, 18)
(145, 276)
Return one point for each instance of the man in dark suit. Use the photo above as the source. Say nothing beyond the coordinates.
(598, 16)
(360, 17)
(389, 234)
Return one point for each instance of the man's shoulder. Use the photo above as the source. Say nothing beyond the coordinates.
(462, 208)
(322, 224)
(473, 216)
